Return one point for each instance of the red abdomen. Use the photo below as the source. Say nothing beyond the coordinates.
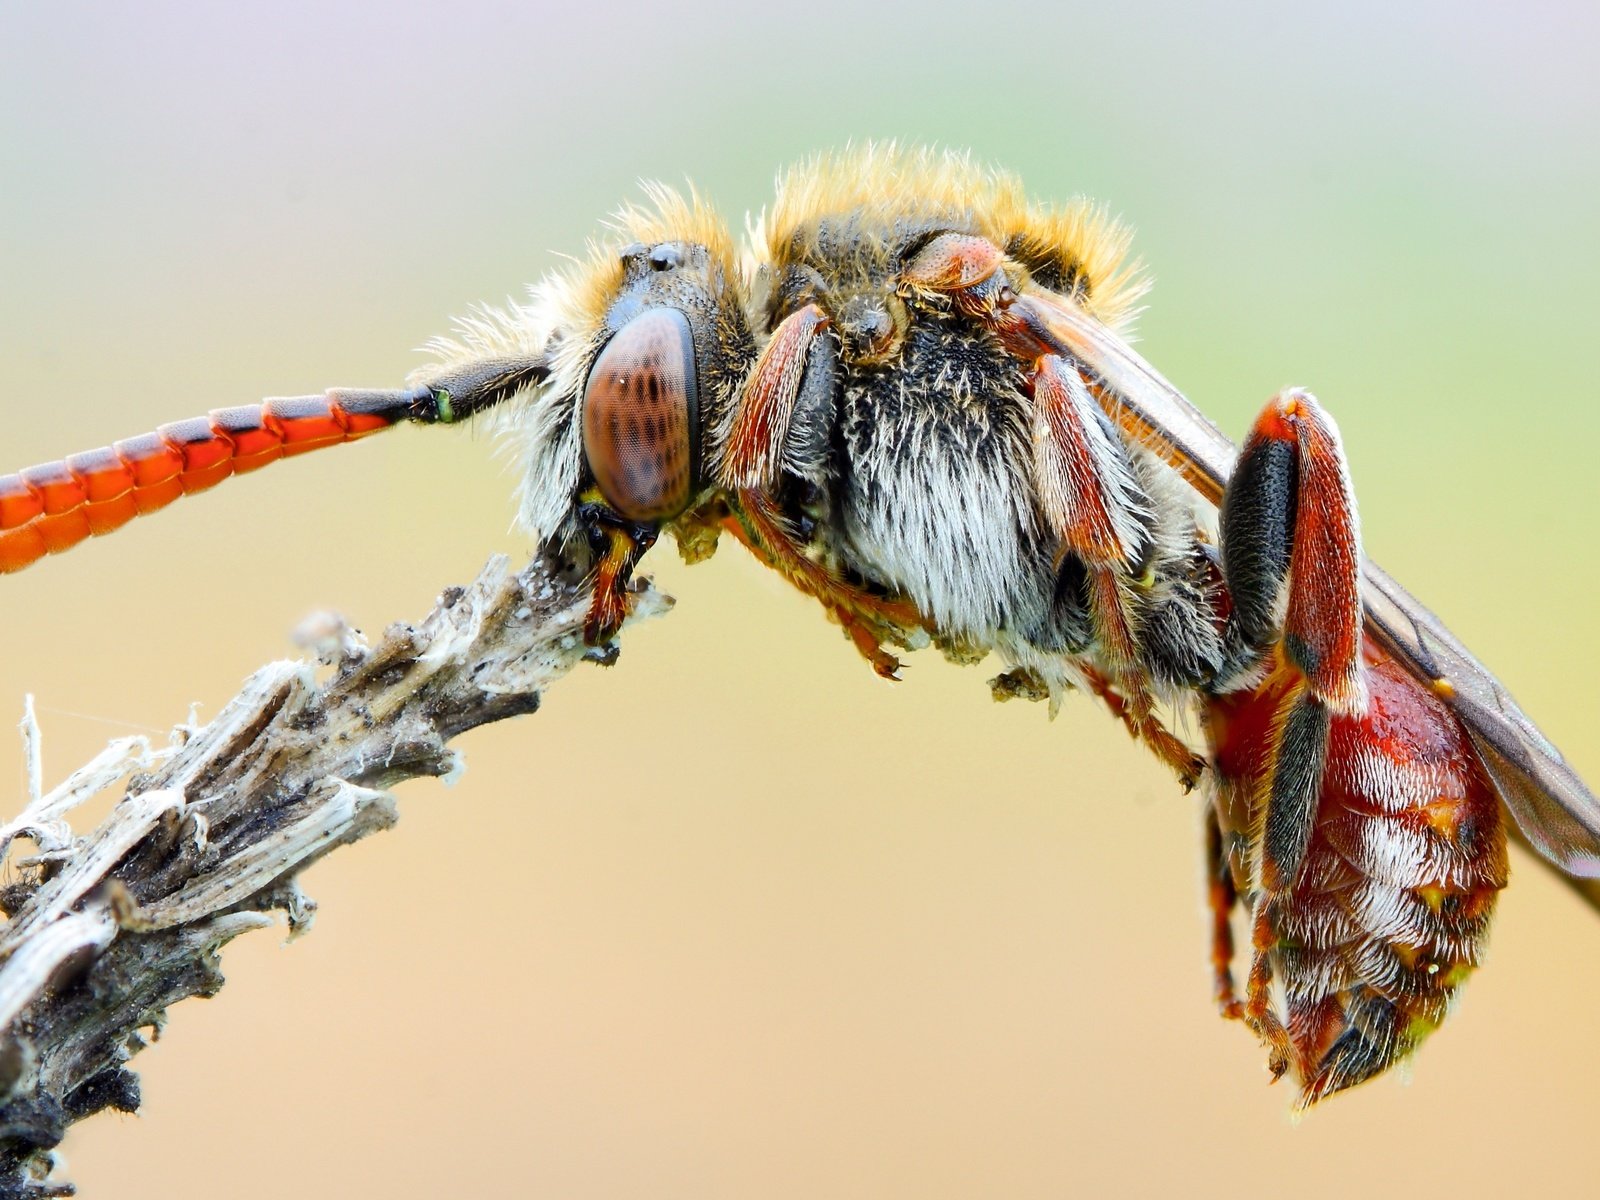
(1388, 912)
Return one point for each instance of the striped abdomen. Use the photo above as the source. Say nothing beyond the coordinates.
(1388, 912)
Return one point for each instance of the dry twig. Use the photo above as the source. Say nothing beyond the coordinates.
(108, 929)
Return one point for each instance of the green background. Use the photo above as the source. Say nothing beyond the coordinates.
(738, 919)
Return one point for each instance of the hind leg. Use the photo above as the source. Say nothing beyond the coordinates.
(1291, 559)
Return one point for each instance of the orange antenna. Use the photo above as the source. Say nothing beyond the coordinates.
(51, 507)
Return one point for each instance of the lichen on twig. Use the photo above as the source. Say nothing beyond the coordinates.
(106, 929)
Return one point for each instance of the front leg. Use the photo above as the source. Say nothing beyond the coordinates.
(617, 545)
(780, 428)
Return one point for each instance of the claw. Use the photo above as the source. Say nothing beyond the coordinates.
(1137, 714)
(867, 620)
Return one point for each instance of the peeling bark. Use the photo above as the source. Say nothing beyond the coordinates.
(107, 929)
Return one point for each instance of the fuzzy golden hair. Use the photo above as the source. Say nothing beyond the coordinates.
(565, 316)
(884, 182)
(575, 298)
(667, 215)
(881, 184)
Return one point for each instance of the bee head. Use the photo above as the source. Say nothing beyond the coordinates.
(674, 344)
(647, 341)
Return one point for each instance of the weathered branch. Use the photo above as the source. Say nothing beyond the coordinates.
(108, 929)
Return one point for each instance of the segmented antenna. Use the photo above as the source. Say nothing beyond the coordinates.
(51, 507)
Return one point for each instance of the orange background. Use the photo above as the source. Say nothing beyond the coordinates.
(736, 918)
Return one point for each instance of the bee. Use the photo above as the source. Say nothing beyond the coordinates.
(910, 395)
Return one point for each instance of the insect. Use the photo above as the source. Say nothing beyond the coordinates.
(910, 396)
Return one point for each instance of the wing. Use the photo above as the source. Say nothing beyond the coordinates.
(1556, 812)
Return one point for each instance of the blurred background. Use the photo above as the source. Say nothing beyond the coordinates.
(737, 918)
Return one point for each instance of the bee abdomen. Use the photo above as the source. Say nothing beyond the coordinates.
(1388, 913)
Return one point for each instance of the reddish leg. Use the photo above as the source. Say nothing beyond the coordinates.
(775, 426)
(1086, 486)
(759, 435)
(1291, 556)
(867, 620)
(1222, 898)
(617, 544)
(1258, 1013)
(1291, 546)
(1085, 482)
(1143, 726)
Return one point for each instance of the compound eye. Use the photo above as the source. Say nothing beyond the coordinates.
(641, 416)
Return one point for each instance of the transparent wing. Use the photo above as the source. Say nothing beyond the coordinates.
(1557, 813)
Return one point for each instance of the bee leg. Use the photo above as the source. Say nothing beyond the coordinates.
(1086, 486)
(790, 389)
(1258, 1013)
(1138, 718)
(781, 426)
(1222, 897)
(617, 544)
(1291, 559)
(1291, 552)
(1083, 476)
(868, 621)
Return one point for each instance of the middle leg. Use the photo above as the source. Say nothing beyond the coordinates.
(1087, 488)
